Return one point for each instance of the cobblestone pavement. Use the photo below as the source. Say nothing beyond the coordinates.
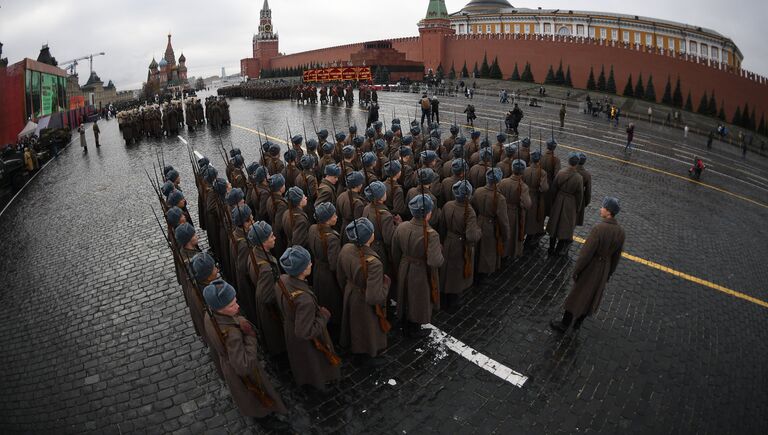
(96, 338)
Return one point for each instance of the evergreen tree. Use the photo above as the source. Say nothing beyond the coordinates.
(640, 88)
(745, 122)
(476, 72)
(761, 126)
(610, 87)
(527, 74)
(485, 70)
(712, 106)
(752, 120)
(452, 73)
(568, 81)
(736, 117)
(591, 86)
(495, 72)
(703, 104)
(560, 76)
(440, 73)
(550, 79)
(689, 103)
(601, 80)
(650, 90)
(464, 71)
(628, 90)
(667, 98)
(677, 97)
(721, 113)
(515, 74)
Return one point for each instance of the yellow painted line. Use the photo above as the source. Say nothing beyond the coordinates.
(687, 277)
(260, 134)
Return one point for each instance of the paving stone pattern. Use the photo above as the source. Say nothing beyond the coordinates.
(96, 336)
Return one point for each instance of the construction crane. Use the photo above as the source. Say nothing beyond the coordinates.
(74, 62)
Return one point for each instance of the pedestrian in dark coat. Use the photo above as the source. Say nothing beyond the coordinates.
(263, 274)
(460, 233)
(537, 180)
(310, 350)
(586, 176)
(518, 200)
(568, 188)
(364, 326)
(418, 259)
(233, 338)
(96, 132)
(491, 208)
(324, 245)
(597, 261)
(551, 164)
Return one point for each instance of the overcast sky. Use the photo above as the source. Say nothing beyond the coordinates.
(218, 33)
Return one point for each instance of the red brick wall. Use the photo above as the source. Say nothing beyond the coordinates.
(12, 110)
(323, 55)
(698, 78)
(250, 67)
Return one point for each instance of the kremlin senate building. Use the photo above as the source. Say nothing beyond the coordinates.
(584, 41)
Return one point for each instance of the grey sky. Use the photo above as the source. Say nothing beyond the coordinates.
(214, 33)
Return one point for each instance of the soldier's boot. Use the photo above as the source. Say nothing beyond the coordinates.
(562, 325)
(552, 243)
(414, 330)
(578, 322)
(562, 247)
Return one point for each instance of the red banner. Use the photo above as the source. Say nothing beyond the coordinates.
(351, 73)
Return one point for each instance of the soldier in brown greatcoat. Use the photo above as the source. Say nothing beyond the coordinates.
(276, 207)
(308, 183)
(384, 223)
(597, 261)
(290, 171)
(258, 190)
(587, 178)
(310, 351)
(324, 245)
(364, 326)
(551, 164)
(351, 203)
(449, 143)
(458, 172)
(424, 178)
(242, 220)
(418, 260)
(395, 199)
(518, 200)
(234, 340)
(460, 233)
(476, 174)
(524, 152)
(568, 189)
(263, 273)
(457, 153)
(536, 179)
(326, 191)
(295, 220)
(492, 216)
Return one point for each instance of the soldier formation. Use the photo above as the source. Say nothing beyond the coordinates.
(307, 250)
(168, 120)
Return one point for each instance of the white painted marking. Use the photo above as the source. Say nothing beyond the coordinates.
(477, 358)
(182, 139)
(198, 155)
(392, 382)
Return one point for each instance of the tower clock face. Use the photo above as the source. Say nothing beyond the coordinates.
(267, 28)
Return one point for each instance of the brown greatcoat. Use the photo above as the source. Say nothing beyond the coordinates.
(295, 226)
(414, 299)
(550, 163)
(444, 190)
(460, 236)
(597, 261)
(524, 153)
(245, 288)
(586, 176)
(395, 198)
(276, 208)
(350, 206)
(568, 189)
(192, 295)
(303, 322)
(536, 179)
(324, 245)
(363, 272)
(326, 192)
(308, 183)
(290, 172)
(256, 196)
(494, 224)
(384, 229)
(267, 314)
(239, 359)
(518, 199)
(476, 175)
(437, 213)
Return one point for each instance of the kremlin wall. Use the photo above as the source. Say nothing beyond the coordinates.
(704, 60)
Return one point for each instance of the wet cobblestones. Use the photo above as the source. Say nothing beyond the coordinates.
(96, 336)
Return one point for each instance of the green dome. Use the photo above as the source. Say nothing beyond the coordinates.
(486, 5)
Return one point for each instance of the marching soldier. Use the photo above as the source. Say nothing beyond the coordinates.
(295, 220)
(350, 204)
(364, 326)
(477, 173)
(234, 340)
(290, 171)
(536, 179)
(310, 351)
(494, 223)
(276, 207)
(445, 188)
(258, 193)
(263, 274)
(568, 191)
(551, 165)
(460, 234)
(417, 251)
(524, 153)
(586, 176)
(518, 200)
(384, 222)
(424, 179)
(327, 158)
(394, 199)
(597, 262)
(296, 142)
(307, 181)
(242, 220)
(505, 164)
(326, 191)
